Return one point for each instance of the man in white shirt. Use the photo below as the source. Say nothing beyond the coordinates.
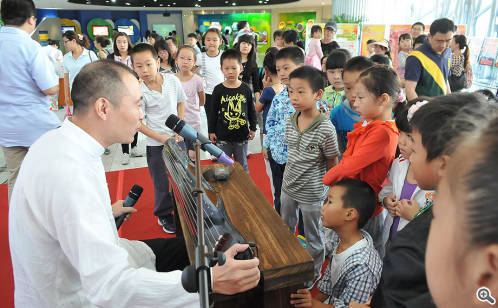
(27, 78)
(64, 244)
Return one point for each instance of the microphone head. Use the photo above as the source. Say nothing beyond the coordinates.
(224, 159)
(136, 191)
(175, 123)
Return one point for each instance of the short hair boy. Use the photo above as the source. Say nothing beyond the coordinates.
(354, 270)
(278, 39)
(344, 116)
(162, 95)
(192, 40)
(312, 150)
(232, 120)
(334, 65)
(286, 61)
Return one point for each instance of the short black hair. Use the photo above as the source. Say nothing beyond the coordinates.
(418, 23)
(269, 60)
(370, 41)
(380, 79)
(445, 119)
(175, 42)
(214, 30)
(103, 78)
(291, 36)
(442, 25)
(16, 12)
(278, 33)
(193, 35)
(358, 64)
(420, 39)
(312, 75)
(102, 40)
(380, 59)
(404, 36)
(295, 54)
(337, 58)
(401, 113)
(360, 196)
(315, 28)
(231, 54)
(241, 24)
(53, 42)
(144, 47)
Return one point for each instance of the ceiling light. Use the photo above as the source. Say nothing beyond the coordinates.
(127, 3)
(155, 0)
(174, 3)
(234, 4)
(161, 4)
(113, 1)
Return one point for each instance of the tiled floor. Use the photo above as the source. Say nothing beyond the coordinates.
(112, 161)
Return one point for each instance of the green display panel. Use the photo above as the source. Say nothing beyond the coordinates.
(259, 23)
(98, 26)
(296, 21)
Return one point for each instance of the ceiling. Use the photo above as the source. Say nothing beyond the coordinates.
(180, 3)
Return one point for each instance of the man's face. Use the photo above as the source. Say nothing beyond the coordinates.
(126, 116)
(417, 30)
(329, 34)
(440, 41)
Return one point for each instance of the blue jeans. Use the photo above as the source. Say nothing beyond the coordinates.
(237, 149)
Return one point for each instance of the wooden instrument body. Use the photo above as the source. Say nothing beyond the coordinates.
(284, 262)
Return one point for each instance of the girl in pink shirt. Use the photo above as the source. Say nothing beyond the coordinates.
(314, 54)
(193, 86)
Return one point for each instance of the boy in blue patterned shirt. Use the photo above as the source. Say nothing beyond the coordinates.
(355, 267)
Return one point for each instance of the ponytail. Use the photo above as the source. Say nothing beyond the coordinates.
(81, 39)
(461, 41)
(466, 55)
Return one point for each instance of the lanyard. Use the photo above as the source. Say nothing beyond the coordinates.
(428, 206)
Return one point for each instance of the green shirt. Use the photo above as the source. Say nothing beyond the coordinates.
(332, 97)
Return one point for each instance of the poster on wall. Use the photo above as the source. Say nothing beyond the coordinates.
(371, 32)
(488, 53)
(260, 24)
(394, 33)
(348, 37)
(297, 21)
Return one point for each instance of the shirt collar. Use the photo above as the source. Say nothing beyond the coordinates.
(88, 143)
(6, 29)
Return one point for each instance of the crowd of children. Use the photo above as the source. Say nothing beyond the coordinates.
(335, 172)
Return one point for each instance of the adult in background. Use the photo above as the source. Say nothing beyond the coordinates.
(243, 28)
(101, 43)
(27, 78)
(418, 29)
(428, 67)
(328, 42)
(56, 58)
(66, 251)
(122, 50)
(461, 70)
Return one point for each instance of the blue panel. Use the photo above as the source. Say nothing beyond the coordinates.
(126, 22)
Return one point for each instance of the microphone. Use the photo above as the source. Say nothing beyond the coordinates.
(183, 129)
(130, 200)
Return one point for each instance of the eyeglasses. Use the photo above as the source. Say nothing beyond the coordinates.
(66, 41)
(186, 59)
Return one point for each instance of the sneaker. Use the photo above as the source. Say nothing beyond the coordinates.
(125, 160)
(168, 224)
(107, 151)
(135, 153)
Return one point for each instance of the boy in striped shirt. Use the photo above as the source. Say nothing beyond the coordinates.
(312, 150)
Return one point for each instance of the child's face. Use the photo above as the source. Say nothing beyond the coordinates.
(163, 54)
(231, 69)
(426, 173)
(245, 48)
(185, 59)
(122, 44)
(192, 41)
(145, 65)
(317, 35)
(333, 211)
(405, 141)
(212, 41)
(368, 105)
(335, 78)
(301, 94)
(279, 41)
(349, 78)
(284, 68)
(405, 44)
(379, 50)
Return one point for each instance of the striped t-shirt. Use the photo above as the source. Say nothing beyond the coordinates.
(308, 152)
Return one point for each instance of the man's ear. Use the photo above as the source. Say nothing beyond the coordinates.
(443, 164)
(486, 268)
(102, 108)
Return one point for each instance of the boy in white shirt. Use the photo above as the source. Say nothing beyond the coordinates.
(162, 96)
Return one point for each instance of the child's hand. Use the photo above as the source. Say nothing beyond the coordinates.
(251, 135)
(213, 137)
(265, 153)
(178, 138)
(267, 81)
(390, 203)
(302, 298)
(407, 209)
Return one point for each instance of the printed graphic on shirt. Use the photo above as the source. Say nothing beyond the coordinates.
(233, 112)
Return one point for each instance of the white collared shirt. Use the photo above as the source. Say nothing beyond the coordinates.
(25, 71)
(64, 245)
(159, 106)
(73, 66)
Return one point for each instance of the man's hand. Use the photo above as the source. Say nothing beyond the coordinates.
(213, 137)
(235, 276)
(302, 298)
(265, 153)
(118, 209)
(251, 135)
(390, 203)
(163, 138)
(178, 138)
(407, 209)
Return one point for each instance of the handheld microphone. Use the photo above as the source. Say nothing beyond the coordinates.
(183, 129)
(130, 200)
